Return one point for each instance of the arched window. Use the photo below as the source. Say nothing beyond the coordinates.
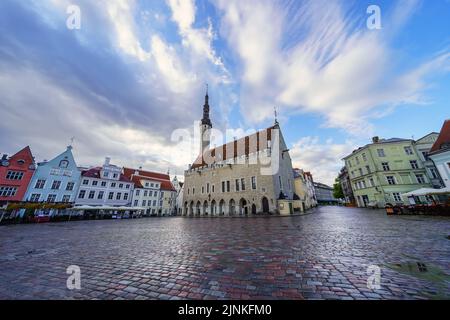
(63, 164)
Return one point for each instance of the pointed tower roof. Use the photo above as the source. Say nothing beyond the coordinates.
(206, 120)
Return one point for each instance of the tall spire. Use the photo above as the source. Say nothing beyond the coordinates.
(205, 119)
(276, 115)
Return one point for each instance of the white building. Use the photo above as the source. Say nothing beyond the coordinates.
(152, 191)
(423, 147)
(179, 187)
(440, 153)
(104, 186)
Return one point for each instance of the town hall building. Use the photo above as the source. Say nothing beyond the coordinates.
(250, 175)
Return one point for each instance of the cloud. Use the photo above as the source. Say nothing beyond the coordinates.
(318, 57)
(321, 158)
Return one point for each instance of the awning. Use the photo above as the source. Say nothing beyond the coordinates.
(426, 192)
(84, 207)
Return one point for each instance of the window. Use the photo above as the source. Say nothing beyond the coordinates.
(70, 186)
(150, 193)
(111, 195)
(63, 164)
(203, 189)
(368, 169)
(228, 186)
(127, 186)
(144, 203)
(425, 155)
(105, 174)
(135, 203)
(94, 182)
(113, 185)
(103, 184)
(433, 173)
(357, 160)
(385, 166)
(193, 190)
(372, 182)
(397, 197)
(146, 184)
(408, 150)
(154, 203)
(223, 186)
(137, 192)
(56, 184)
(40, 184)
(364, 184)
(125, 196)
(35, 197)
(360, 172)
(414, 164)
(364, 157)
(14, 175)
(207, 188)
(253, 183)
(66, 198)
(145, 193)
(420, 178)
(100, 195)
(390, 179)
(91, 194)
(7, 191)
(381, 153)
(243, 184)
(81, 194)
(51, 198)
(118, 196)
(213, 188)
(115, 175)
(237, 184)
(121, 185)
(85, 182)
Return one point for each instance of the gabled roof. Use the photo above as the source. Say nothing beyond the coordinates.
(163, 178)
(24, 154)
(222, 151)
(443, 140)
(95, 173)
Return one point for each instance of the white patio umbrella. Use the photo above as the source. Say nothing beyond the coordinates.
(426, 192)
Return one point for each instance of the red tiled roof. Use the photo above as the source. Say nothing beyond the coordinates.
(444, 137)
(149, 174)
(142, 174)
(95, 173)
(221, 151)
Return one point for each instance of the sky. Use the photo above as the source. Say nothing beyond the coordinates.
(133, 76)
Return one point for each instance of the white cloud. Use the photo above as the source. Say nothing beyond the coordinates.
(322, 159)
(330, 65)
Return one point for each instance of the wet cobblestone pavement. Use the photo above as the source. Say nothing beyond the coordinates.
(323, 255)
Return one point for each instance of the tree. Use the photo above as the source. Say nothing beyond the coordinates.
(337, 190)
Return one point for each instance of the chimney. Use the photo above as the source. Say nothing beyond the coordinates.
(375, 139)
(4, 157)
(107, 161)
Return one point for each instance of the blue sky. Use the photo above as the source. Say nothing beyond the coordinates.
(136, 71)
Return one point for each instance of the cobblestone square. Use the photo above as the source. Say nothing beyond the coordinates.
(322, 255)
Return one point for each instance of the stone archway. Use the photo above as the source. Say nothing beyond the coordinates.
(232, 207)
(197, 208)
(185, 209)
(221, 207)
(265, 205)
(205, 208)
(213, 208)
(243, 208)
(253, 208)
(191, 208)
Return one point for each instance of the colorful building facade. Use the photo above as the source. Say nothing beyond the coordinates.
(16, 173)
(440, 153)
(54, 181)
(380, 172)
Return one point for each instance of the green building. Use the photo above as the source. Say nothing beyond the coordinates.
(380, 172)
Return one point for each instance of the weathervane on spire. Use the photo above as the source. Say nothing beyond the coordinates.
(71, 141)
(275, 112)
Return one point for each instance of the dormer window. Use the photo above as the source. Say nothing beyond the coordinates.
(21, 162)
(63, 164)
(105, 174)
